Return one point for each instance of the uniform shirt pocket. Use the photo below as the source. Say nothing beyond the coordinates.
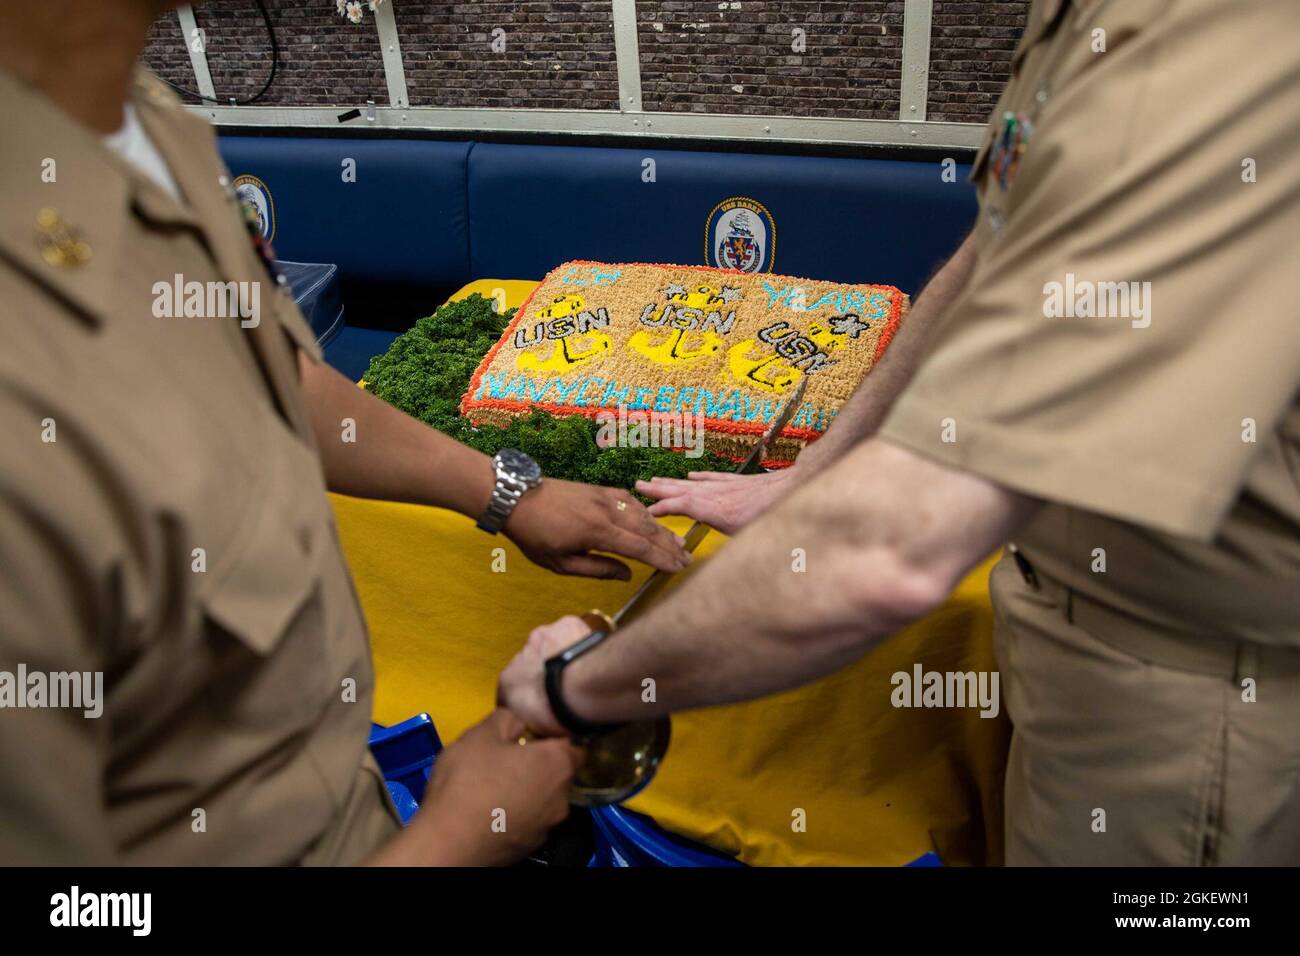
(263, 619)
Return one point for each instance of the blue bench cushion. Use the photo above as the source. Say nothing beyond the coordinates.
(428, 214)
(846, 220)
(403, 220)
(352, 349)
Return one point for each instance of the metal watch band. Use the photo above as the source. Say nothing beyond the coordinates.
(505, 495)
(507, 488)
(577, 726)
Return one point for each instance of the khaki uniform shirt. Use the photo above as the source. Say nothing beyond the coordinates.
(174, 535)
(1167, 445)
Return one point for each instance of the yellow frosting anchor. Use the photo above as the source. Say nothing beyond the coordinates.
(702, 298)
(563, 306)
(826, 340)
(673, 349)
(562, 359)
(564, 356)
(775, 372)
(770, 372)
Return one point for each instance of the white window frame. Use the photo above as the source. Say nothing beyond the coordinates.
(630, 119)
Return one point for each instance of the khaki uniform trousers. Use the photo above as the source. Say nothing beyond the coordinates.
(1138, 747)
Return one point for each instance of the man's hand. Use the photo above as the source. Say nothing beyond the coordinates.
(490, 800)
(720, 499)
(893, 532)
(560, 523)
(521, 686)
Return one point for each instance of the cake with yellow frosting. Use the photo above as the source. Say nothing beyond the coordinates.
(687, 347)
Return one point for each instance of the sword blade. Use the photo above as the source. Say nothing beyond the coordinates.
(695, 534)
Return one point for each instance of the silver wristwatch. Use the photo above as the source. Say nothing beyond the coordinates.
(516, 475)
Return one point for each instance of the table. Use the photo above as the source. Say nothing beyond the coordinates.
(827, 774)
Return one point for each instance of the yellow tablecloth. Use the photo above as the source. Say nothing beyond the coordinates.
(830, 773)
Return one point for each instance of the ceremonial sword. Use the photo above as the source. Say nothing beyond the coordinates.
(621, 762)
(695, 534)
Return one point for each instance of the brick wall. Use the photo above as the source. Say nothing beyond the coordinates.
(550, 55)
(699, 57)
(324, 59)
(970, 56)
(165, 53)
(696, 55)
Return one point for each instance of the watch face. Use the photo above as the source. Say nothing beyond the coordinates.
(519, 465)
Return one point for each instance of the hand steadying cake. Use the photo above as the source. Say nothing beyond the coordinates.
(557, 524)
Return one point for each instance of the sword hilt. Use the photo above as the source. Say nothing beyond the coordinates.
(598, 620)
(620, 762)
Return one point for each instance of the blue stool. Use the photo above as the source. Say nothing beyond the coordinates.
(625, 838)
(406, 753)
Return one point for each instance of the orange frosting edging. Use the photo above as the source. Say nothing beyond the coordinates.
(807, 435)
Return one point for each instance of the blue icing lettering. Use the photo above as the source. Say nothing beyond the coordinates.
(538, 389)
(792, 297)
(612, 391)
(754, 412)
(830, 298)
(515, 387)
(598, 277)
(581, 400)
(638, 402)
(564, 391)
(730, 407)
(493, 383)
(773, 297)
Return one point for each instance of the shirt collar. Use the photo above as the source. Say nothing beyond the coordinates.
(63, 201)
(1042, 16)
(65, 189)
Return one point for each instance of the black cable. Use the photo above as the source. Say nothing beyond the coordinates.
(275, 59)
